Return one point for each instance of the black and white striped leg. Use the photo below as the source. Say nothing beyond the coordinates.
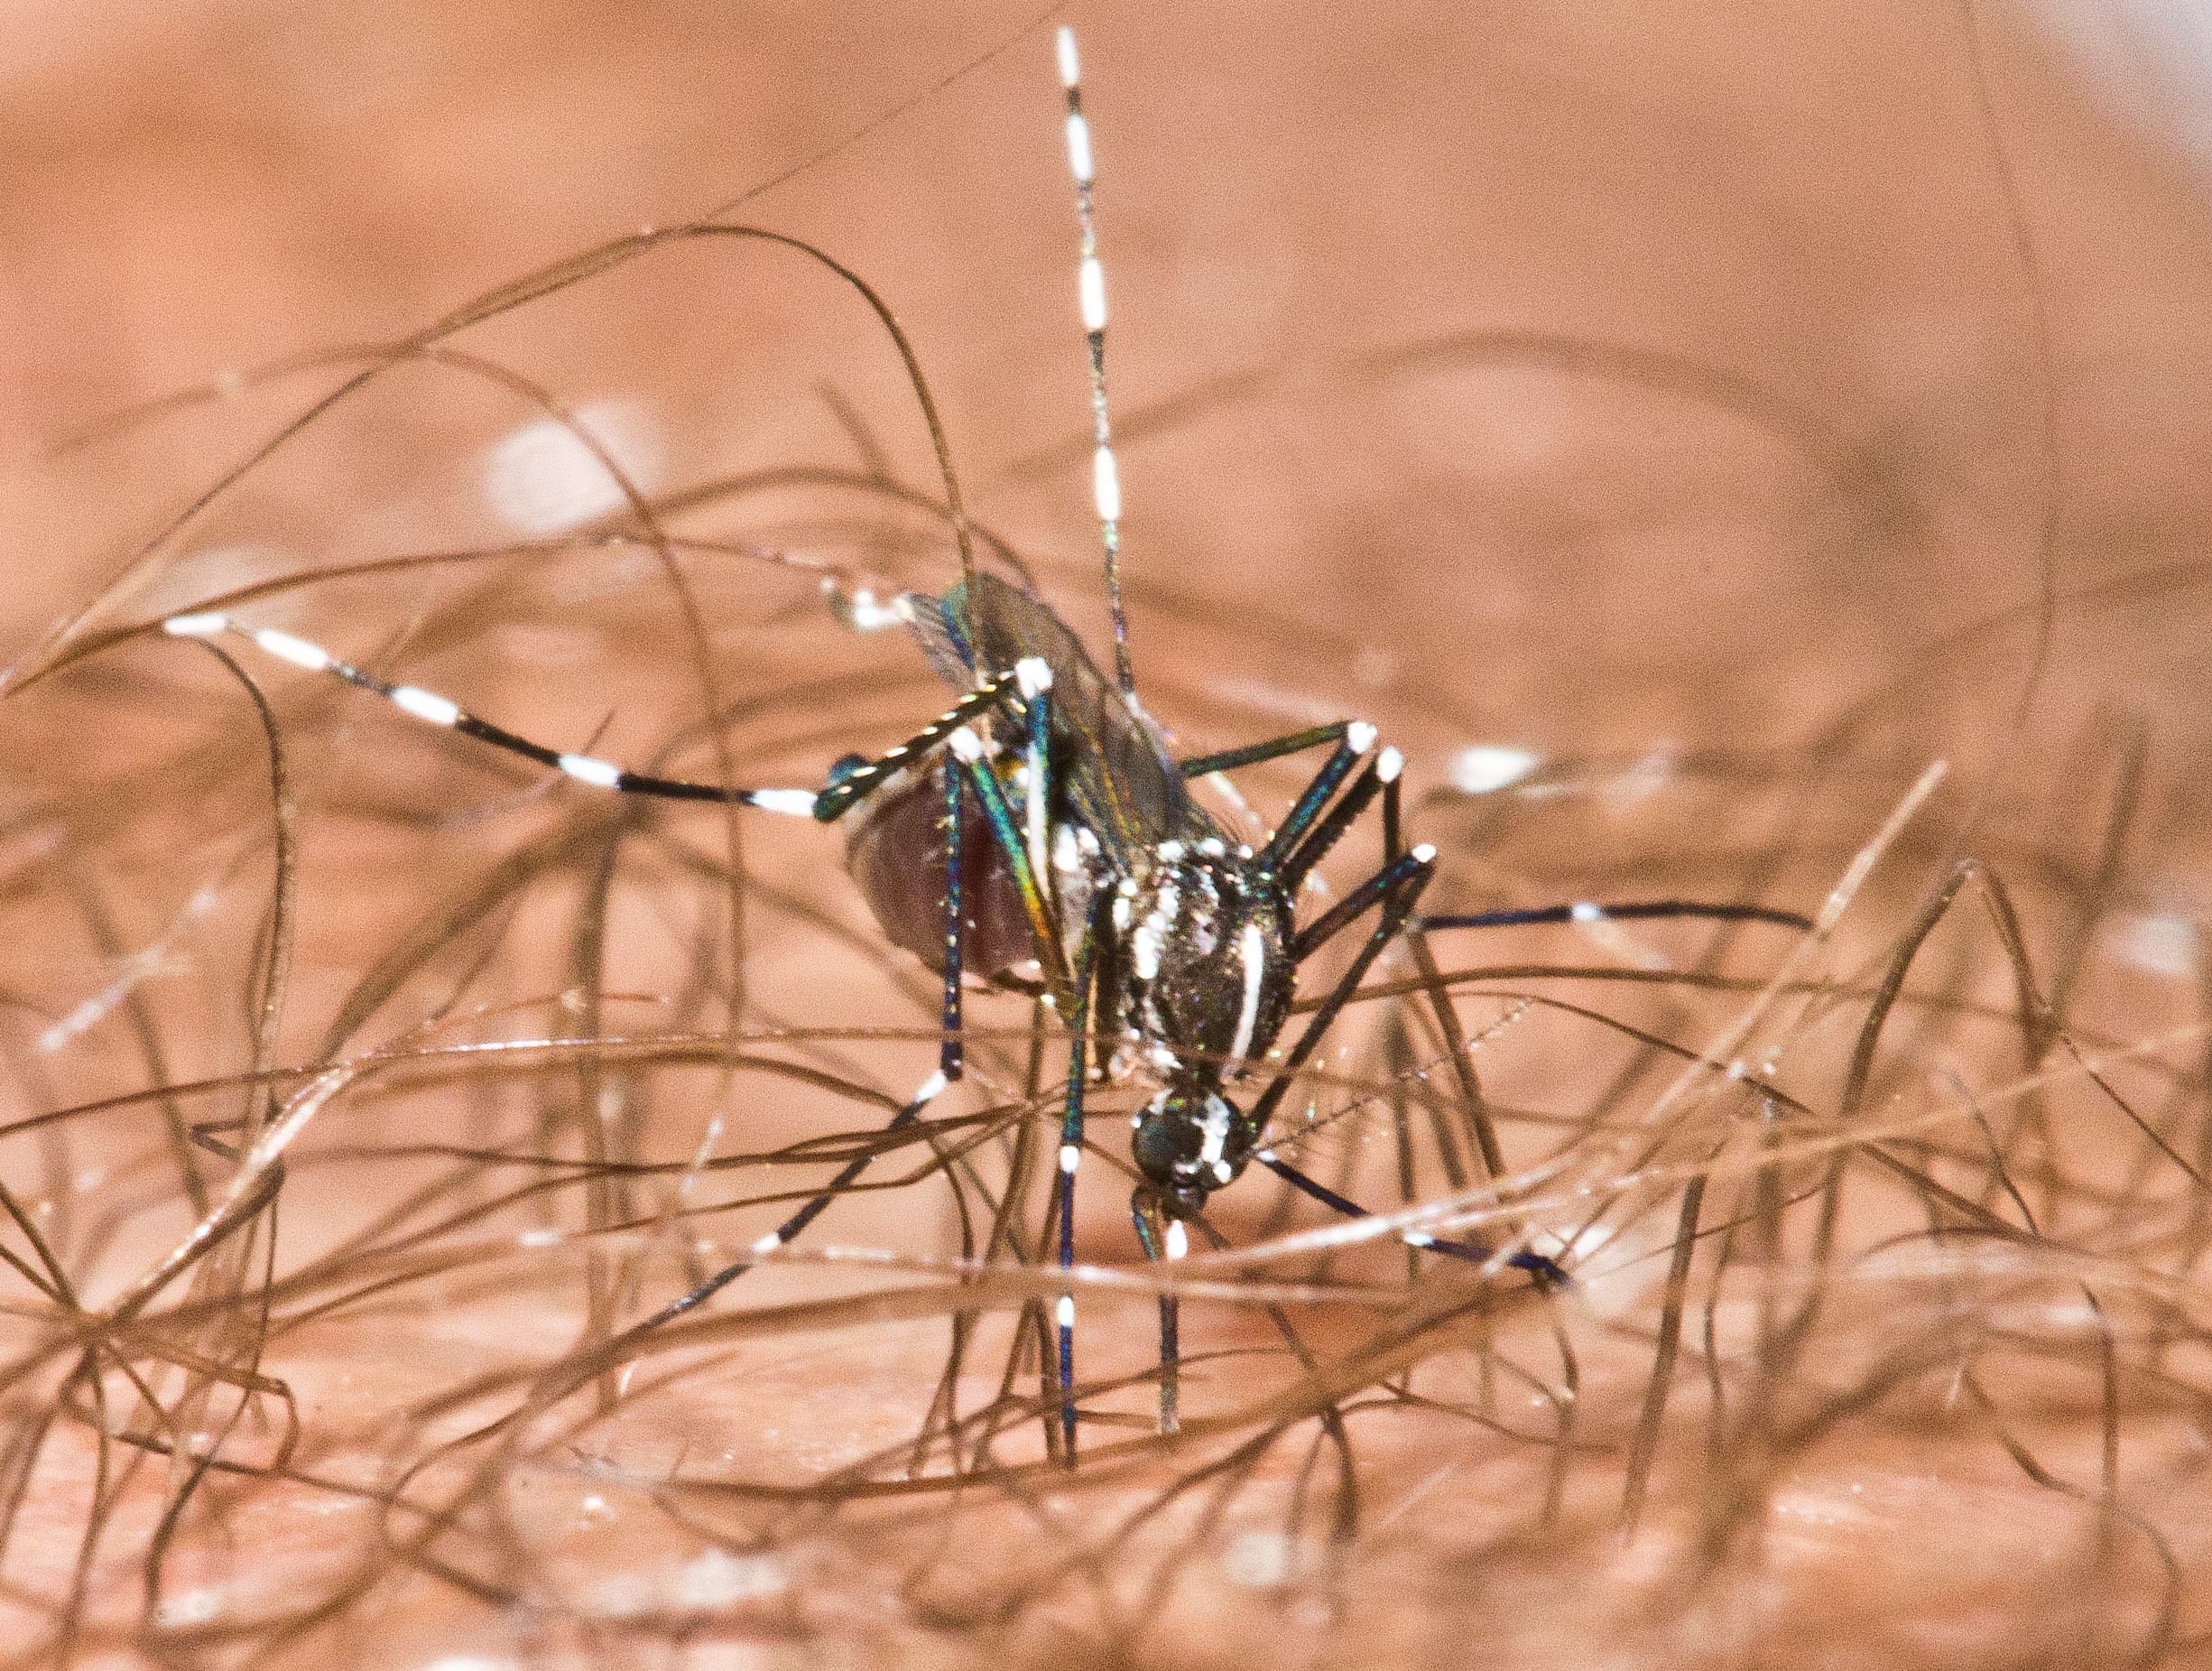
(952, 1056)
(1397, 887)
(1070, 1159)
(793, 1227)
(1358, 742)
(1033, 680)
(847, 789)
(1166, 1240)
(1274, 748)
(1090, 287)
(1164, 1237)
(1547, 1272)
(1587, 911)
(854, 783)
(433, 708)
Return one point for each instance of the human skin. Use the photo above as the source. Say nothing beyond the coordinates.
(1611, 388)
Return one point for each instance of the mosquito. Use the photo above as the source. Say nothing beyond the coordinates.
(1171, 951)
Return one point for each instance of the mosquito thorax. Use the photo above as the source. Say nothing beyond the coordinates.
(1204, 972)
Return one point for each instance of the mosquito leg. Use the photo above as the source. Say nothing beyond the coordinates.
(1479, 1129)
(1090, 285)
(1359, 739)
(789, 1230)
(1547, 1272)
(1035, 678)
(1170, 1243)
(1071, 1159)
(433, 708)
(852, 786)
(1398, 886)
(1361, 899)
(1382, 773)
(847, 790)
(1584, 911)
(1275, 749)
(951, 1056)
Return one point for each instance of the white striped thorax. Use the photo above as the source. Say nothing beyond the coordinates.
(1208, 966)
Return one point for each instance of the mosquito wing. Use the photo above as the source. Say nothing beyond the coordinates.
(1108, 759)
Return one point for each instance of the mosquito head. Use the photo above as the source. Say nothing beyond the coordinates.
(1191, 1140)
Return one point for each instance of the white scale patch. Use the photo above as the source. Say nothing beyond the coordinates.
(599, 773)
(1251, 952)
(792, 803)
(1204, 916)
(425, 705)
(1216, 1126)
(1151, 938)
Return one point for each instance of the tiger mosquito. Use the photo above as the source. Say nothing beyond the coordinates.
(1171, 952)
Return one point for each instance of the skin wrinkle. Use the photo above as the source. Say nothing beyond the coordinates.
(1656, 393)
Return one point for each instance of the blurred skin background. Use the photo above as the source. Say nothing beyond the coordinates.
(1770, 278)
(1605, 384)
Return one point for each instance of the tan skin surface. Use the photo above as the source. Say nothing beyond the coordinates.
(1687, 399)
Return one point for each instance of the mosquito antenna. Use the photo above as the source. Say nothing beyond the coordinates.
(1090, 281)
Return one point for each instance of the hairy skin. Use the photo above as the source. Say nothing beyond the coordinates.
(1624, 388)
